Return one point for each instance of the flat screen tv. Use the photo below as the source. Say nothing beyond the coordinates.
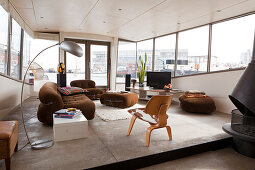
(158, 80)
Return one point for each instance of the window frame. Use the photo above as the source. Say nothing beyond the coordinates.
(88, 43)
(117, 60)
(177, 43)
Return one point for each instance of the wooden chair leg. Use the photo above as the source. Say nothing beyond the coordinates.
(168, 128)
(148, 135)
(8, 163)
(131, 124)
(16, 147)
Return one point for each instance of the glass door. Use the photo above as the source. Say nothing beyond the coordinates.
(93, 65)
(98, 64)
(75, 66)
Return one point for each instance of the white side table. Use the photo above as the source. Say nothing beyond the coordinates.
(68, 129)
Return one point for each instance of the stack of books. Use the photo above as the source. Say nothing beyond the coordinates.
(67, 113)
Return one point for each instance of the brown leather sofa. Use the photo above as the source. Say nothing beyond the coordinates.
(52, 100)
(89, 85)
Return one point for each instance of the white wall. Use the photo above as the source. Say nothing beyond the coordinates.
(10, 94)
(86, 36)
(216, 85)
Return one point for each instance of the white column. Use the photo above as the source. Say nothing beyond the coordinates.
(114, 59)
(61, 52)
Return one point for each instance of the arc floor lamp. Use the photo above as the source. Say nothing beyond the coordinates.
(67, 46)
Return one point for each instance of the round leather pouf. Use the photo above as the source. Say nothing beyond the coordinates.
(197, 104)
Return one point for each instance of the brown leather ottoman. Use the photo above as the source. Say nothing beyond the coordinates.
(8, 141)
(197, 104)
(121, 100)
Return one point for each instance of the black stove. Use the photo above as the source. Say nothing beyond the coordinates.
(242, 126)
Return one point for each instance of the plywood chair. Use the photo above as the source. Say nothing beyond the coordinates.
(154, 113)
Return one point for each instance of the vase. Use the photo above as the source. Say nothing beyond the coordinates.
(133, 81)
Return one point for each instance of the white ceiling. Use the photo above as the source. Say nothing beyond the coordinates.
(128, 19)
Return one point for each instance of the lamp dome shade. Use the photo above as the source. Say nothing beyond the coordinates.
(72, 48)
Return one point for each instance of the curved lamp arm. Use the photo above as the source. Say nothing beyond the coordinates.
(67, 46)
(22, 89)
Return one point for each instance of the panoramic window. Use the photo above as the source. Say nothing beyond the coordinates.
(3, 40)
(232, 43)
(145, 47)
(75, 66)
(192, 51)
(15, 49)
(126, 60)
(26, 54)
(98, 60)
(44, 68)
(165, 54)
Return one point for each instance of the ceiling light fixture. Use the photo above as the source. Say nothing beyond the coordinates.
(119, 9)
(41, 17)
(218, 11)
(104, 22)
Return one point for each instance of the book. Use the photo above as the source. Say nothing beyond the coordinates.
(64, 116)
(66, 112)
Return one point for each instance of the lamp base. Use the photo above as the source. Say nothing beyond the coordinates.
(42, 144)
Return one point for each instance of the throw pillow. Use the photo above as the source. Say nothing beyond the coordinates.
(195, 93)
(67, 91)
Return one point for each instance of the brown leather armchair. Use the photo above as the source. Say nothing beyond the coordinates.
(89, 85)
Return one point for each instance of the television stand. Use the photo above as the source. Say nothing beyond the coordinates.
(143, 92)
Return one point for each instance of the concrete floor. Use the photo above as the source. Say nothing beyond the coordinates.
(224, 159)
(107, 141)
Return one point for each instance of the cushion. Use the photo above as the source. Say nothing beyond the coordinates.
(7, 128)
(67, 91)
(195, 93)
(144, 116)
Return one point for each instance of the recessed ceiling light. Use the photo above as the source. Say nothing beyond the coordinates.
(41, 17)
(119, 9)
(104, 21)
(218, 11)
(178, 23)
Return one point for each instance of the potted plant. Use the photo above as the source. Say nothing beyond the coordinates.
(142, 70)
